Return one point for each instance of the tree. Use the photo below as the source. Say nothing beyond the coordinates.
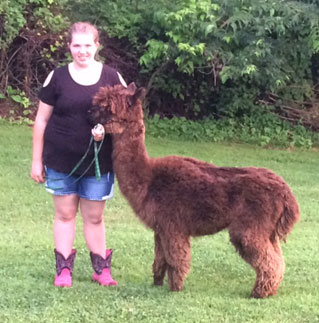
(30, 36)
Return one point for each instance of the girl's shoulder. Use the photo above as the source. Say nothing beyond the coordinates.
(108, 69)
(56, 73)
(61, 70)
(111, 76)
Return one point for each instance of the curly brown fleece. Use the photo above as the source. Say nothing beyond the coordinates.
(180, 197)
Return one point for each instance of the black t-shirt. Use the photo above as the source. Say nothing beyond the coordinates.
(68, 131)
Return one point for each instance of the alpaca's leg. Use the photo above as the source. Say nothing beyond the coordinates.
(159, 264)
(266, 259)
(281, 263)
(177, 252)
(269, 272)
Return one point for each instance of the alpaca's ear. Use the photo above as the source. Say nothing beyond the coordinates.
(131, 89)
(139, 94)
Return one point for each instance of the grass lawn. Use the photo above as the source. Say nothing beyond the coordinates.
(218, 285)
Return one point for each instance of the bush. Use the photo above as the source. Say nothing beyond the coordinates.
(32, 42)
(268, 131)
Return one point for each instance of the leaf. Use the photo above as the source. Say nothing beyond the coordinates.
(16, 98)
(178, 60)
(209, 28)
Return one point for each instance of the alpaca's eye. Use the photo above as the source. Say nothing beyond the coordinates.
(95, 115)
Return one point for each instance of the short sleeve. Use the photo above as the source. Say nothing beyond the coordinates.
(47, 93)
(112, 77)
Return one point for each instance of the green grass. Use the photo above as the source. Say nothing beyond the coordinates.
(218, 285)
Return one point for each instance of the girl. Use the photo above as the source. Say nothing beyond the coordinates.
(61, 136)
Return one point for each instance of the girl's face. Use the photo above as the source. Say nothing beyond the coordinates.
(83, 49)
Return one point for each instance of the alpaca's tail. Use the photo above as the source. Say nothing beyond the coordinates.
(289, 217)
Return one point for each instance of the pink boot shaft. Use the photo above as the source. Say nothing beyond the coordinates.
(102, 269)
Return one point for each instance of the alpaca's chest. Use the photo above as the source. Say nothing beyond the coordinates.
(147, 218)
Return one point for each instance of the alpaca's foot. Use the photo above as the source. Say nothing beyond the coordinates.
(262, 292)
(255, 294)
(175, 285)
(158, 281)
(176, 288)
(267, 284)
(176, 278)
(158, 275)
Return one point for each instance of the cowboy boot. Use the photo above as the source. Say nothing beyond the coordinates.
(64, 269)
(102, 268)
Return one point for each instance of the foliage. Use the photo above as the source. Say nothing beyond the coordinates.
(196, 59)
(19, 97)
(193, 53)
(265, 130)
(30, 42)
(30, 46)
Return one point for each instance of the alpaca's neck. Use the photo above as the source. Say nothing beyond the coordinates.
(131, 163)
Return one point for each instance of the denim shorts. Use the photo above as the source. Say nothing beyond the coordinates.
(87, 187)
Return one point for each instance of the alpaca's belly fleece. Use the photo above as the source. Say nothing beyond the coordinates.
(195, 217)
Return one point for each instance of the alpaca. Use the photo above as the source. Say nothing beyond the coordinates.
(179, 198)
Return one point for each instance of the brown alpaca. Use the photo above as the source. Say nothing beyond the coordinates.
(181, 197)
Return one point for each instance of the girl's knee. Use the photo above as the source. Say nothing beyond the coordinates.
(65, 215)
(93, 218)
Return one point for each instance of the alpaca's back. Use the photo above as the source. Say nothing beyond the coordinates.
(198, 198)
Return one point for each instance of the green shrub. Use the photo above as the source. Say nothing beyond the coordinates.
(31, 43)
(264, 131)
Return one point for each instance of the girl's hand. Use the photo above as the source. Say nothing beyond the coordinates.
(98, 132)
(37, 172)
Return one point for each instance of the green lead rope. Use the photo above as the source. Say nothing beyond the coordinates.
(97, 148)
(96, 158)
(82, 159)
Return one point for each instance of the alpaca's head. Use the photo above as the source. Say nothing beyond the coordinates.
(115, 107)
